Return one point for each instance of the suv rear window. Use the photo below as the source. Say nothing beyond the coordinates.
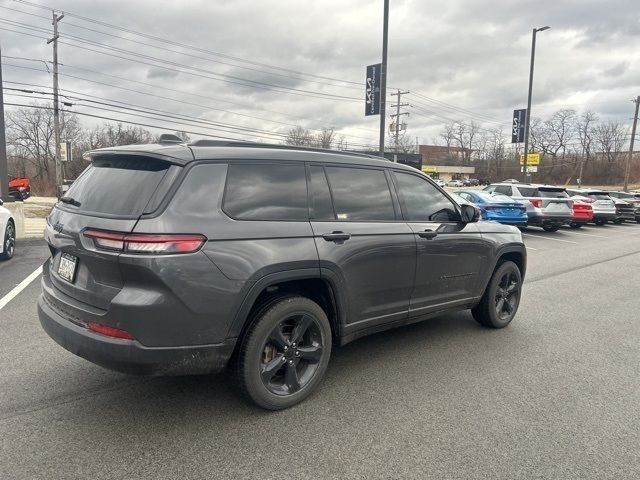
(528, 191)
(552, 193)
(266, 192)
(117, 185)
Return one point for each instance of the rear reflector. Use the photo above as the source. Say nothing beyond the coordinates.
(109, 331)
(145, 244)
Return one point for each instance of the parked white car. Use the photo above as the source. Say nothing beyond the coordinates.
(455, 183)
(7, 234)
(439, 182)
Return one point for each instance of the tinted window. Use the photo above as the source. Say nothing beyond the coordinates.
(360, 194)
(321, 207)
(466, 196)
(553, 193)
(117, 185)
(266, 192)
(528, 191)
(422, 201)
(504, 189)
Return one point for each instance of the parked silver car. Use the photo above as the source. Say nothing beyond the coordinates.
(604, 208)
(631, 197)
(548, 207)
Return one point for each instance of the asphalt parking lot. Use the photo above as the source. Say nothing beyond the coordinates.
(554, 396)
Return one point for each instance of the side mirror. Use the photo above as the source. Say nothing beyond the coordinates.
(1, 202)
(470, 213)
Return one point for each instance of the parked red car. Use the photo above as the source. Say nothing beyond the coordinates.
(582, 213)
(19, 187)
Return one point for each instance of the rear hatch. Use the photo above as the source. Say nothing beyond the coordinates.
(555, 200)
(111, 195)
(602, 201)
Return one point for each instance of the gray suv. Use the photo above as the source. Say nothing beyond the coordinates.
(188, 258)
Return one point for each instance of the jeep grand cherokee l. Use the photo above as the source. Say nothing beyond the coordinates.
(182, 259)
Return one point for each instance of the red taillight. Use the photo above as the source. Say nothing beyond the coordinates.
(536, 202)
(143, 243)
(109, 331)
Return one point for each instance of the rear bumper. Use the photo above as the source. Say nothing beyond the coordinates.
(129, 356)
(536, 218)
(604, 215)
(626, 216)
(508, 220)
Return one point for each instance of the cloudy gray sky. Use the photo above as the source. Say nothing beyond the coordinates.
(264, 66)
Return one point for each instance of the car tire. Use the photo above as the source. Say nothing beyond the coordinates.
(501, 298)
(575, 225)
(600, 223)
(618, 221)
(551, 228)
(273, 370)
(9, 241)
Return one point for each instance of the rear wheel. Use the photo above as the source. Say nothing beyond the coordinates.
(551, 228)
(600, 222)
(285, 353)
(9, 243)
(500, 301)
(618, 221)
(575, 225)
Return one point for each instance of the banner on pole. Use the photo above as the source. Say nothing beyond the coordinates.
(372, 90)
(517, 126)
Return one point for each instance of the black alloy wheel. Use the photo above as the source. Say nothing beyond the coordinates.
(507, 296)
(291, 354)
(284, 354)
(9, 242)
(501, 299)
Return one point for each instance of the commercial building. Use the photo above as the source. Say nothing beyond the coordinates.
(446, 163)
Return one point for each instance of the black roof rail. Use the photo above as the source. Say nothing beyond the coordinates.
(227, 143)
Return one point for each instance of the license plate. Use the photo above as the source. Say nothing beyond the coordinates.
(558, 207)
(67, 267)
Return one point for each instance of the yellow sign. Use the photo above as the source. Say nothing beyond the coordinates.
(532, 159)
(429, 168)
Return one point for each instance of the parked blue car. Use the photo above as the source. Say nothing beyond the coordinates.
(500, 208)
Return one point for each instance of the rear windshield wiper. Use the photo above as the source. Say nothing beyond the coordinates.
(70, 201)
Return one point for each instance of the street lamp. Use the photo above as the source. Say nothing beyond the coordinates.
(528, 115)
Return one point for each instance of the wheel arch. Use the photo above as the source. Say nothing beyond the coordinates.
(304, 282)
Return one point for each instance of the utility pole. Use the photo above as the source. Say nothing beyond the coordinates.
(383, 76)
(4, 183)
(528, 113)
(633, 137)
(56, 107)
(398, 114)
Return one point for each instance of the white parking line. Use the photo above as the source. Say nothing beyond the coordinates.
(586, 234)
(530, 248)
(549, 238)
(18, 288)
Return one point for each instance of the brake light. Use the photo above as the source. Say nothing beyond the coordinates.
(109, 331)
(536, 202)
(143, 243)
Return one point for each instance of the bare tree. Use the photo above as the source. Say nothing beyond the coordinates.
(31, 139)
(299, 136)
(611, 138)
(325, 138)
(585, 126)
(464, 134)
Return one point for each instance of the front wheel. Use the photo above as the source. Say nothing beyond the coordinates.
(501, 299)
(9, 243)
(285, 353)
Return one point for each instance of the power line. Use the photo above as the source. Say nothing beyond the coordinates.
(180, 67)
(189, 47)
(454, 107)
(160, 96)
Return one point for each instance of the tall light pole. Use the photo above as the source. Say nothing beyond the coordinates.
(4, 184)
(383, 77)
(528, 115)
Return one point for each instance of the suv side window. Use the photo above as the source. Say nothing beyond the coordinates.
(423, 202)
(360, 194)
(504, 189)
(320, 206)
(266, 191)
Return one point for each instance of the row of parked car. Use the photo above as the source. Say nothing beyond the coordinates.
(550, 207)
